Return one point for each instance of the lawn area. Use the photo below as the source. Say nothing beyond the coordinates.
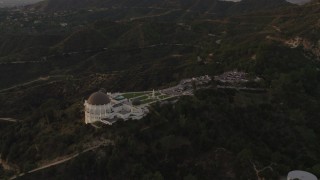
(133, 95)
(145, 97)
(163, 96)
(147, 101)
(141, 98)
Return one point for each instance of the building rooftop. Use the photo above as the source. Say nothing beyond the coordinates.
(111, 121)
(98, 98)
(123, 112)
(118, 105)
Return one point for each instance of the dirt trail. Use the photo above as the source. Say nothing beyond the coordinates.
(68, 158)
(9, 119)
(31, 82)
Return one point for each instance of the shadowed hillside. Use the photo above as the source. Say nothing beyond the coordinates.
(55, 54)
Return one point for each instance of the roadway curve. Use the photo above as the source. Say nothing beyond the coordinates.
(9, 119)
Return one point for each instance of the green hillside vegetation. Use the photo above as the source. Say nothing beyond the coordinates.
(55, 59)
(174, 142)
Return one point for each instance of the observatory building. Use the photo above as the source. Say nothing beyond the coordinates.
(110, 107)
(102, 107)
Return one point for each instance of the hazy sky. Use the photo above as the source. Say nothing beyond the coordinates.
(292, 1)
(4, 3)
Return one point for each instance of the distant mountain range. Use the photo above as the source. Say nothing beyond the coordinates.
(10, 3)
(291, 1)
(209, 6)
(299, 1)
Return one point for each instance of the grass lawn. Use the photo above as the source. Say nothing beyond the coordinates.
(142, 98)
(163, 96)
(147, 101)
(132, 95)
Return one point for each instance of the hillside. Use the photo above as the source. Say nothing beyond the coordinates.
(51, 60)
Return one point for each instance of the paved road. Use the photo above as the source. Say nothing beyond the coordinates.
(21, 62)
(33, 81)
(8, 119)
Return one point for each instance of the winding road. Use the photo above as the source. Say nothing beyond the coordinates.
(33, 81)
(9, 119)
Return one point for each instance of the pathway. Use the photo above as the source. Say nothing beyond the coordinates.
(55, 163)
(30, 82)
